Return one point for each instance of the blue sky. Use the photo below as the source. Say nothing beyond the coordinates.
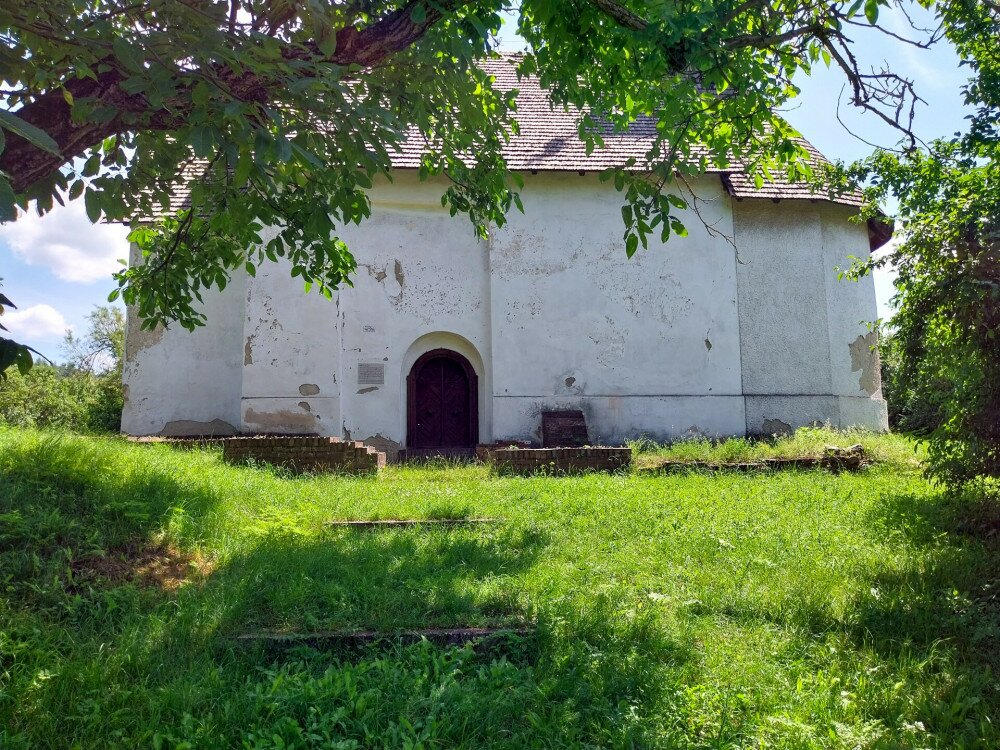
(56, 268)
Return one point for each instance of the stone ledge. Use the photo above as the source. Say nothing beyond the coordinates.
(302, 454)
(561, 460)
(297, 453)
(834, 459)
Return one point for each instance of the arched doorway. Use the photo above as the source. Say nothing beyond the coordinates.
(442, 410)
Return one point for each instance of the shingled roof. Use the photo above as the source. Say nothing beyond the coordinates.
(549, 141)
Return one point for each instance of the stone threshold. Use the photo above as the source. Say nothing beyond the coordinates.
(833, 459)
(406, 523)
(489, 638)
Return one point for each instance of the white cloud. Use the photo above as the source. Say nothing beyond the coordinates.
(885, 277)
(65, 242)
(35, 322)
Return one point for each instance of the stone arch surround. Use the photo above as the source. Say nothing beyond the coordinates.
(461, 345)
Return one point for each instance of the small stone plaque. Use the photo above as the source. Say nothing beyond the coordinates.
(371, 373)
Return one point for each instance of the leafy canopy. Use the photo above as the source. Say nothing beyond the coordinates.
(285, 111)
(948, 261)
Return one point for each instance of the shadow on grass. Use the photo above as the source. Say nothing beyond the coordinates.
(127, 665)
(951, 593)
(382, 580)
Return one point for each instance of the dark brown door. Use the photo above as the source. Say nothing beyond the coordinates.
(442, 402)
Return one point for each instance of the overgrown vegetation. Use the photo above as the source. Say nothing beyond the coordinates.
(794, 609)
(806, 442)
(914, 401)
(945, 350)
(52, 397)
(84, 394)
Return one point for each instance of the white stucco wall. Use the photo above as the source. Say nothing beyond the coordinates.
(291, 353)
(647, 345)
(180, 382)
(422, 283)
(685, 338)
(799, 323)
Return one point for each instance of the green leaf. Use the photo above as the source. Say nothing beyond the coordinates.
(242, 172)
(92, 202)
(871, 11)
(202, 140)
(92, 166)
(8, 207)
(631, 245)
(419, 13)
(8, 354)
(127, 55)
(35, 136)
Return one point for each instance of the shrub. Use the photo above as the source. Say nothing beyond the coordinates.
(48, 397)
(914, 398)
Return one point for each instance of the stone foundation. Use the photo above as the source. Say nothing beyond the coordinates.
(561, 460)
(305, 454)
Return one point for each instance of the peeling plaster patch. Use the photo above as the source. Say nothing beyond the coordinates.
(660, 300)
(610, 342)
(397, 270)
(693, 431)
(776, 427)
(308, 389)
(137, 339)
(379, 275)
(865, 359)
(188, 427)
(367, 390)
(510, 258)
(569, 382)
(304, 405)
(708, 344)
(347, 432)
(248, 351)
(125, 392)
(281, 421)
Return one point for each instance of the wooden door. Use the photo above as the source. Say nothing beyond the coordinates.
(442, 402)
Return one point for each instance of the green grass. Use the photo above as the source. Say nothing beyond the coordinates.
(792, 609)
(805, 443)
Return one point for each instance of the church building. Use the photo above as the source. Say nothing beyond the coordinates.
(446, 341)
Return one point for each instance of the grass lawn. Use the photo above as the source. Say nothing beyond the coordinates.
(792, 609)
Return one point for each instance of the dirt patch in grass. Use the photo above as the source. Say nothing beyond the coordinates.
(161, 566)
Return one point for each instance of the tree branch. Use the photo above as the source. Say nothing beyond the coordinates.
(25, 164)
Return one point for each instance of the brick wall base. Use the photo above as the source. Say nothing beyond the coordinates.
(560, 460)
(305, 453)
